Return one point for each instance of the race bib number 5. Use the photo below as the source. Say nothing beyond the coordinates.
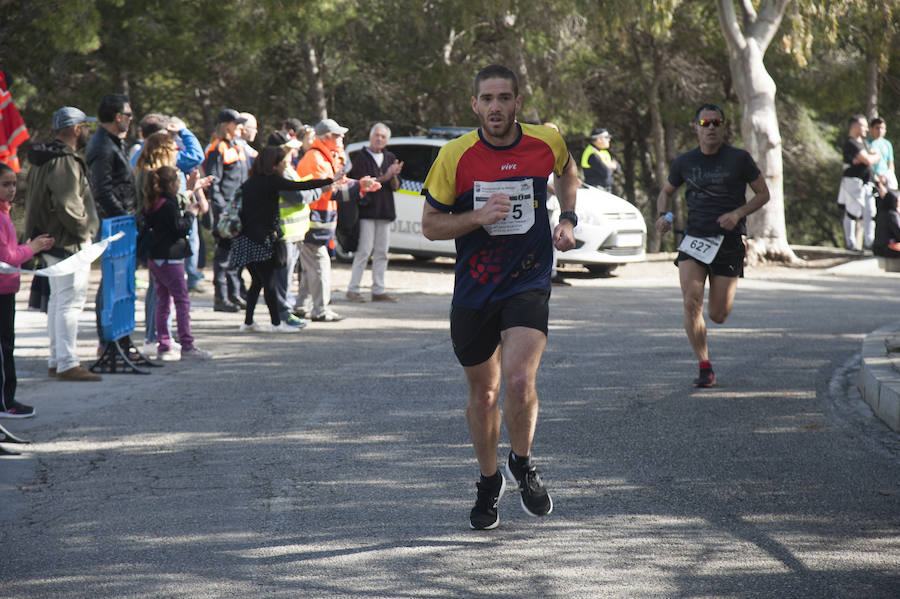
(703, 249)
(521, 212)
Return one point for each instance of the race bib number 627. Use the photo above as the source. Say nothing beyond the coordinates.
(521, 211)
(703, 249)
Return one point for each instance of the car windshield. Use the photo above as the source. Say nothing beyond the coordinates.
(416, 160)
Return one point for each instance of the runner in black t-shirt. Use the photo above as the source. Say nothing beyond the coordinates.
(717, 176)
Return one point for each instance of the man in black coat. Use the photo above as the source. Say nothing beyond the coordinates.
(111, 174)
(112, 177)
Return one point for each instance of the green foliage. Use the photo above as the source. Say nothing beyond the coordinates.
(812, 172)
(410, 64)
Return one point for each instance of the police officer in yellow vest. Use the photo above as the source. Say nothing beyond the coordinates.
(293, 207)
(597, 164)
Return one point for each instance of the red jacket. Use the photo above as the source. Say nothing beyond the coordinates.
(12, 127)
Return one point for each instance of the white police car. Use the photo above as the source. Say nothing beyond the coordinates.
(610, 230)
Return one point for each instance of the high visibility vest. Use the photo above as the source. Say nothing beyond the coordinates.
(230, 153)
(294, 217)
(598, 175)
(604, 156)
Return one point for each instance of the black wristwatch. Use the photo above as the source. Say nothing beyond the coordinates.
(569, 216)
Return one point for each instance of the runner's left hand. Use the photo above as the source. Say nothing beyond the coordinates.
(564, 236)
(729, 220)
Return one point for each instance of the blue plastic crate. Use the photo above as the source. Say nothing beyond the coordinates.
(119, 264)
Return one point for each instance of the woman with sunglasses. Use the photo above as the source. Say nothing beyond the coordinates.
(716, 176)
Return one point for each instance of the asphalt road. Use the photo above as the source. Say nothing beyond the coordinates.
(336, 463)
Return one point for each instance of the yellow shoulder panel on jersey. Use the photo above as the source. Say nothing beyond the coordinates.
(553, 139)
(441, 180)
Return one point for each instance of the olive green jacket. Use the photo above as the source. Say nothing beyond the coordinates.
(59, 201)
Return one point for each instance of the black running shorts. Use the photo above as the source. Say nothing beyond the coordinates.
(729, 262)
(476, 333)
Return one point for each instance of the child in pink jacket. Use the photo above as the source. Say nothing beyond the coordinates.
(13, 254)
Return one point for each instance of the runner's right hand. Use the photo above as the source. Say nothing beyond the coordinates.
(495, 209)
(662, 225)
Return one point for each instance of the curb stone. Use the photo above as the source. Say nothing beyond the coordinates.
(879, 374)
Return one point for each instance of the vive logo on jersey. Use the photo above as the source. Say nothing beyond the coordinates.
(509, 166)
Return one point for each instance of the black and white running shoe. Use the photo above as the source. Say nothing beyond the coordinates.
(535, 500)
(484, 515)
(16, 410)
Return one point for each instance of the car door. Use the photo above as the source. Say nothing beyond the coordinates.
(406, 231)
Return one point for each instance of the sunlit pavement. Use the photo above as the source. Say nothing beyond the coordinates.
(336, 462)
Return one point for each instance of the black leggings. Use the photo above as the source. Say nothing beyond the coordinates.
(8, 342)
(263, 277)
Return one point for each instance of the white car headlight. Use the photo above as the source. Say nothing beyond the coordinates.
(589, 217)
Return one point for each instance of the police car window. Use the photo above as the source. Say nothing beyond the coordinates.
(416, 160)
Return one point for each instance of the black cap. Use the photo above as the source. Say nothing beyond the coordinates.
(280, 138)
(229, 115)
(599, 133)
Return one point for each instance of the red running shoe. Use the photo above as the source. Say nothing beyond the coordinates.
(707, 378)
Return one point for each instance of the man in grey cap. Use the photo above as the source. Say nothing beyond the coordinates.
(59, 202)
(325, 160)
(596, 163)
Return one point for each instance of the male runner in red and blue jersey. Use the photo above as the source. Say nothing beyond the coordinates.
(488, 191)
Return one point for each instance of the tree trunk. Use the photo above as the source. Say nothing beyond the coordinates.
(529, 113)
(678, 210)
(319, 101)
(206, 111)
(766, 230)
(136, 108)
(658, 137)
(628, 162)
(872, 60)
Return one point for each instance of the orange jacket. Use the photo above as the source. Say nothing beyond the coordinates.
(225, 160)
(320, 163)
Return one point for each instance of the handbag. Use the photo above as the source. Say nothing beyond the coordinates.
(279, 253)
(347, 232)
(144, 238)
(229, 225)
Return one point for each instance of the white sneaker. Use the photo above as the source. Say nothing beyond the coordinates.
(283, 327)
(149, 349)
(195, 354)
(247, 328)
(327, 316)
(169, 356)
